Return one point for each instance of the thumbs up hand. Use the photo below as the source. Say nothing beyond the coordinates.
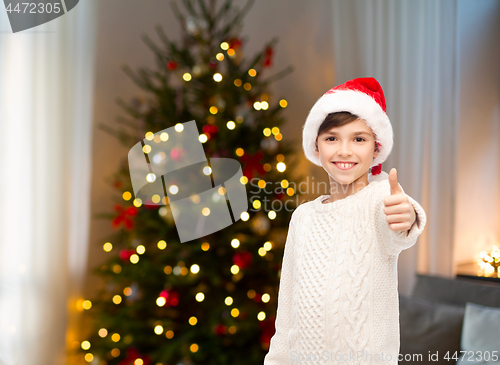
(399, 212)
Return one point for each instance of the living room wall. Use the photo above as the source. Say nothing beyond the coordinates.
(477, 211)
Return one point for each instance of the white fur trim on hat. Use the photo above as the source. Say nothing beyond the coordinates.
(355, 102)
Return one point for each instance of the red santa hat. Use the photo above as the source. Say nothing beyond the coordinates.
(362, 97)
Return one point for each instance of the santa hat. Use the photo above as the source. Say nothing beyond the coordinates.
(362, 97)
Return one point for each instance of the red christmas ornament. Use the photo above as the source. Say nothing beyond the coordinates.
(210, 129)
(124, 217)
(252, 163)
(132, 355)
(212, 65)
(125, 254)
(242, 259)
(220, 329)
(250, 101)
(268, 57)
(149, 204)
(171, 297)
(164, 294)
(171, 65)
(257, 298)
(267, 328)
(234, 43)
(280, 195)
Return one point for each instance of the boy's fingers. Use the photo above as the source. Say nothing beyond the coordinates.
(397, 218)
(395, 209)
(394, 199)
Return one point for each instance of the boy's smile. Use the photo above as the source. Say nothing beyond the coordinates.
(346, 153)
(344, 165)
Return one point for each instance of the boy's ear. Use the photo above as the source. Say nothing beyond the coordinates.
(316, 152)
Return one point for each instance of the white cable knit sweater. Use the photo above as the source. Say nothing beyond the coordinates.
(338, 293)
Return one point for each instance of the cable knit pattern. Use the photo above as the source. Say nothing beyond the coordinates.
(338, 296)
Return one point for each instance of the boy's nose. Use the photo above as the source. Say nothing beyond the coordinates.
(344, 150)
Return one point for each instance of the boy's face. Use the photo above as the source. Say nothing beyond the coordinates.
(352, 142)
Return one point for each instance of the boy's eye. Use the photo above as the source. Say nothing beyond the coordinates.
(362, 139)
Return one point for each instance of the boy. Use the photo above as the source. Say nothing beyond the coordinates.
(338, 300)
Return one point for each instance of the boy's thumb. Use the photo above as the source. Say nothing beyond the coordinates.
(393, 181)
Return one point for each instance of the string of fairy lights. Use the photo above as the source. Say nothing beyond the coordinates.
(195, 269)
(489, 262)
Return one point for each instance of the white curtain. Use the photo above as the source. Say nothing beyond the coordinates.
(410, 47)
(46, 85)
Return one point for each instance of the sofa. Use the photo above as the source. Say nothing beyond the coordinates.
(444, 316)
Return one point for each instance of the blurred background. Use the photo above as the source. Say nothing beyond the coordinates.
(70, 291)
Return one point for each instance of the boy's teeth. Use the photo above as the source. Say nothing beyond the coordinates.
(343, 165)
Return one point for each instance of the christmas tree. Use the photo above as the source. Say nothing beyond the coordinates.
(211, 300)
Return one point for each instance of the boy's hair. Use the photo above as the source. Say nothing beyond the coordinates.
(338, 119)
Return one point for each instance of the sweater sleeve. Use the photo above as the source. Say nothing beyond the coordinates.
(397, 241)
(279, 349)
